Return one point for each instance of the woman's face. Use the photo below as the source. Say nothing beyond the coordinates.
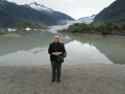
(56, 40)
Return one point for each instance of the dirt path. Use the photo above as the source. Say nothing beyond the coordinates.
(76, 79)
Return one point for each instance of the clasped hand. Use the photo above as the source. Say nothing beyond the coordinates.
(56, 53)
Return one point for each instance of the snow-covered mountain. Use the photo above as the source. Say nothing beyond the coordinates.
(40, 7)
(58, 15)
(88, 19)
(11, 13)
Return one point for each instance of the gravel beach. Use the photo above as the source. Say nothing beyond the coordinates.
(76, 79)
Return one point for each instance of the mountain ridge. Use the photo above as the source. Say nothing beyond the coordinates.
(11, 13)
(114, 12)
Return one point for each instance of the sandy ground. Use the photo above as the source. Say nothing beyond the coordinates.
(76, 79)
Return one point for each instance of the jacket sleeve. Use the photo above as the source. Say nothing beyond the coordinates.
(50, 49)
(63, 48)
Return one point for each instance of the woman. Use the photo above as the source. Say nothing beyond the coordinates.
(57, 53)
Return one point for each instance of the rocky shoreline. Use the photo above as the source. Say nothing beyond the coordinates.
(76, 79)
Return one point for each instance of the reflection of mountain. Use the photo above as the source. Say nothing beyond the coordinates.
(112, 47)
(26, 43)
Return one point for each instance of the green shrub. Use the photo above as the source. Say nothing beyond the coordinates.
(100, 27)
(2, 33)
(123, 26)
(74, 27)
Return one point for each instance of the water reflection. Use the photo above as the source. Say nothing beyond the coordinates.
(33, 49)
(84, 53)
(112, 46)
(77, 53)
(25, 58)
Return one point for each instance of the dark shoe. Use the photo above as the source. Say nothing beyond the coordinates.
(53, 80)
(58, 80)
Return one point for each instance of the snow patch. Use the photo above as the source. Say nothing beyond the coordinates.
(28, 29)
(11, 30)
(40, 7)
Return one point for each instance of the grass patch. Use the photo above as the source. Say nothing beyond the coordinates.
(2, 33)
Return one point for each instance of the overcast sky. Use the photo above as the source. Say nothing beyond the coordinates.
(74, 8)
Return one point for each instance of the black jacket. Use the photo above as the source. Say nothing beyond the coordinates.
(56, 47)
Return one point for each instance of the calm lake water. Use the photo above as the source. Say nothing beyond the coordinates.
(32, 49)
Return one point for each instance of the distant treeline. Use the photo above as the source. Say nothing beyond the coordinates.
(104, 28)
(23, 25)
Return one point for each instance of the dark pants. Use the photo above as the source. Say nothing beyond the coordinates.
(56, 69)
